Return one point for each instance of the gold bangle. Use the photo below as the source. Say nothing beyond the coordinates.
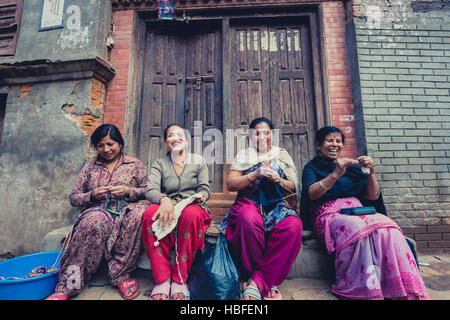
(323, 186)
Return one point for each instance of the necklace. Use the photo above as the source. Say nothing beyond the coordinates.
(181, 165)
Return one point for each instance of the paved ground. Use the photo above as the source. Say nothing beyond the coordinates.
(435, 271)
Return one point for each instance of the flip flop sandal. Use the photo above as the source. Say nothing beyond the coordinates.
(125, 286)
(61, 296)
(162, 288)
(250, 291)
(179, 288)
(277, 296)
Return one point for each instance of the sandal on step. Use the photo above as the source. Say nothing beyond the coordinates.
(127, 286)
(162, 288)
(277, 296)
(251, 292)
(57, 296)
(177, 288)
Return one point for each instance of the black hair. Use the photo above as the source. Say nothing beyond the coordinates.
(323, 132)
(168, 127)
(106, 130)
(258, 121)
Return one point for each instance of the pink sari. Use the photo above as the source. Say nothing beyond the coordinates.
(373, 259)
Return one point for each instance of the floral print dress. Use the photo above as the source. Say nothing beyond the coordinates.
(98, 233)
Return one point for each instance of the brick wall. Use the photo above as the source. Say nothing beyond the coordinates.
(404, 62)
(91, 118)
(339, 86)
(116, 98)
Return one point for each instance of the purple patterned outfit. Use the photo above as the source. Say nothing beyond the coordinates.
(98, 233)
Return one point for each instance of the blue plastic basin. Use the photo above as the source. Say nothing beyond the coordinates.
(33, 288)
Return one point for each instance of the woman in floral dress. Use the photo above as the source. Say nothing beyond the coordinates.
(108, 190)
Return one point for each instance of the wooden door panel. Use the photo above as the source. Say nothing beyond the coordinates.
(269, 74)
(250, 87)
(203, 89)
(182, 84)
(272, 78)
(289, 74)
(164, 65)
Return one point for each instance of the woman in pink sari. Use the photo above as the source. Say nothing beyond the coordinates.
(372, 258)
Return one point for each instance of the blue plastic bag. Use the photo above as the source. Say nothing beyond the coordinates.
(213, 275)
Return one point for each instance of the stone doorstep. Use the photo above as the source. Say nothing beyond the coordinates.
(311, 263)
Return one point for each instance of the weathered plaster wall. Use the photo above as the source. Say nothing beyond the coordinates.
(41, 151)
(49, 116)
(87, 41)
(404, 64)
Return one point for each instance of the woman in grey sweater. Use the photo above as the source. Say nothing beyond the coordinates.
(176, 176)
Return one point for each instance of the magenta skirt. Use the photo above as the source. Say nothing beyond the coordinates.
(373, 259)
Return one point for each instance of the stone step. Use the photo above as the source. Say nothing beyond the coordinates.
(311, 263)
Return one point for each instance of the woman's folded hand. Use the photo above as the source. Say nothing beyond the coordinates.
(165, 212)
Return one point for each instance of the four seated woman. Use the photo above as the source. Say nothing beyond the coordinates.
(372, 258)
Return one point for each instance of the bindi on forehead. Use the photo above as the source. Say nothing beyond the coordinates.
(334, 136)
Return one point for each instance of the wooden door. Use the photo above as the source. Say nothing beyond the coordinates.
(182, 84)
(271, 77)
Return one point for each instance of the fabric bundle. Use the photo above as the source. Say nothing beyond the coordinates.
(160, 232)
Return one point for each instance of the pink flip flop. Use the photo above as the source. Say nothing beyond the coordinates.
(127, 285)
(179, 288)
(162, 288)
(58, 296)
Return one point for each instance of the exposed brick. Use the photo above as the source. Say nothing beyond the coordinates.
(116, 96)
(441, 228)
(338, 73)
(428, 236)
(422, 244)
(439, 244)
(414, 230)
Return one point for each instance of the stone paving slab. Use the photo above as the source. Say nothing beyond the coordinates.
(435, 271)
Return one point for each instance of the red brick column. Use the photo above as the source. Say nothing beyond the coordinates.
(116, 97)
(339, 84)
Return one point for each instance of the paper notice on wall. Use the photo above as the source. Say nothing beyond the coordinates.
(52, 14)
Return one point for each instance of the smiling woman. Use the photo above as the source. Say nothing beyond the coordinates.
(172, 178)
(372, 258)
(108, 189)
(264, 231)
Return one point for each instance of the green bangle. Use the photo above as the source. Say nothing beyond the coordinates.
(323, 186)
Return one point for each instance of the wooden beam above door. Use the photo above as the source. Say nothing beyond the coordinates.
(210, 4)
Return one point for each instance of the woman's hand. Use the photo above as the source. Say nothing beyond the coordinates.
(201, 198)
(366, 161)
(271, 175)
(100, 193)
(342, 164)
(165, 212)
(119, 191)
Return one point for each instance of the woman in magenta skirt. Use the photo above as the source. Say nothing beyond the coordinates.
(263, 230)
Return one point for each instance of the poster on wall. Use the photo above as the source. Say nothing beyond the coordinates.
(52, 14)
